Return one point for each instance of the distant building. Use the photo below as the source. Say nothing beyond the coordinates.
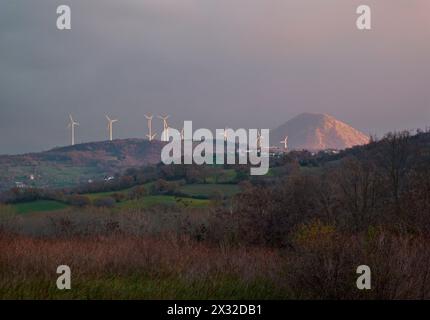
(20, 185)
(331, 151)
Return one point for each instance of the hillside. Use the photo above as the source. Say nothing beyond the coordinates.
(68, 166)
(312, 131)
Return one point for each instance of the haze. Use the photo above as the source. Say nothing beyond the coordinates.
(220, 63)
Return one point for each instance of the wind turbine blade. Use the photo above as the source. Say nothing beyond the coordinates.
(71, 118)
(107, 117)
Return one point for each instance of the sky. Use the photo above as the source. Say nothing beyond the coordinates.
(219, 63)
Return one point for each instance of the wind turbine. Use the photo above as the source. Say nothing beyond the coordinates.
(72, 126)
(259, 139)
(165, 127)
(150, 135)
(285, 143)
(110, 126)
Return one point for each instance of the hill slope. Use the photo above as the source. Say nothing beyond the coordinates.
(314, 131)
(68, 166)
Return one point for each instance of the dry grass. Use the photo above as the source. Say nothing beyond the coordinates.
(166, 255)
(177, 267)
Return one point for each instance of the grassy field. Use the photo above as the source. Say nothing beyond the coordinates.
(191, 190)
(50, 175)
(150, 201)
(208, 190)
(100, 195)
(39, 206)
(225, 176)
(146, 202)
(140, 286)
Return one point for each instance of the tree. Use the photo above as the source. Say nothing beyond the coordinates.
(394, 159)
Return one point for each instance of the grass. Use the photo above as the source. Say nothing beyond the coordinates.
(210, 189)
(146, 202)
(191, 190)
(50, 175)
(225, 176)
(39, 206)
(141, 286)
(137, 268)
(150, 201)
(99, 195)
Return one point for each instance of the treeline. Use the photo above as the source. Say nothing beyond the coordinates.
(371, 207)
(386, 186)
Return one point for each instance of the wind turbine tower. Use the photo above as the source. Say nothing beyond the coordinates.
(72, 126)
(259, 139)
(165, 127)
(285, 143)
(110, 126)
(150, 136)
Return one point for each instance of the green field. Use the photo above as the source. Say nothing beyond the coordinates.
(146, 202)
(189, 191)
(39, 206)
(208, 190)
(99, 195)
(224, 176)
(150, 201)
(50, 175)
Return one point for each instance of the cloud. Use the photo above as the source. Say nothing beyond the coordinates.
(242, 63)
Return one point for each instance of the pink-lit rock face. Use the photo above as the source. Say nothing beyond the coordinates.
(312, 131)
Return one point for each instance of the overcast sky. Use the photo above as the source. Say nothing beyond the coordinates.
(234, 63)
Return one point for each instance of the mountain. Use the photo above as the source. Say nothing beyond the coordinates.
(68, 166)
(313, 131)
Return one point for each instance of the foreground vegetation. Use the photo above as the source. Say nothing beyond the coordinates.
(129, 258)
(135, 268)
(299, 234)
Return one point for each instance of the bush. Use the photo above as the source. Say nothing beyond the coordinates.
(78, 201)
(137, 193)
(107, 202)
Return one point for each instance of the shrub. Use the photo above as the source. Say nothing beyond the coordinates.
(107, 202)
(78, 200)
